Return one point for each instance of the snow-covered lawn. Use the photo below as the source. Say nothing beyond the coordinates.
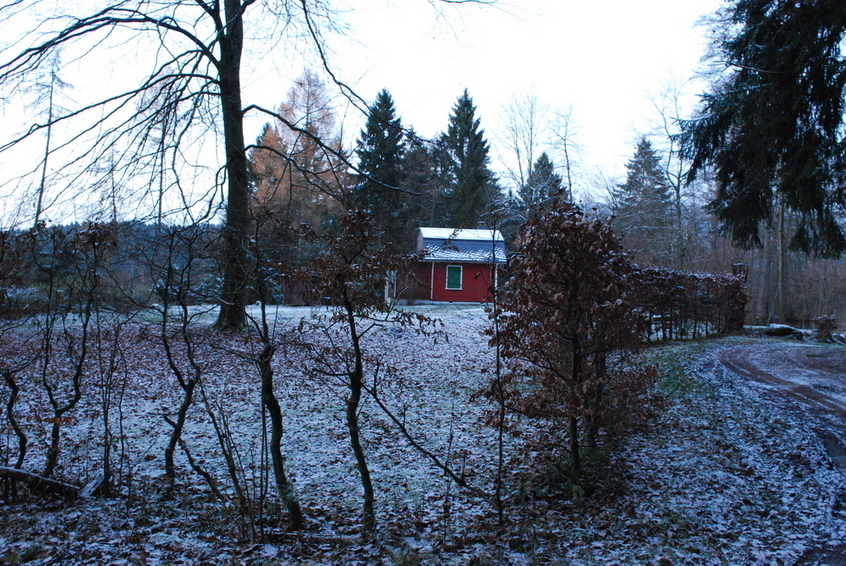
(726, 472)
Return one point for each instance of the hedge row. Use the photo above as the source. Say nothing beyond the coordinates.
(681, 304)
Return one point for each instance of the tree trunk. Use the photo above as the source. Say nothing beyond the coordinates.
(591, 426)
(236, 231)
(9, 378)
(499, 388)
(575, 456)
(271, 405)
(187, 385)
(42, 186)
(59, 411)
(176, 434)
(368, 515)
(356, 385)
(39, 483)
(782, 274)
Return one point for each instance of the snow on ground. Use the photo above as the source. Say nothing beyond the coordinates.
(726, 473)
(744, 479)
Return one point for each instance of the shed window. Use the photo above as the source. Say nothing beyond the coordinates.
(453, 277)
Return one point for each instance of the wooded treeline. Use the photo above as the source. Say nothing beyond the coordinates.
(667, 222)
(400, 179)
(663, 218)
(302, 181)
(303, 178)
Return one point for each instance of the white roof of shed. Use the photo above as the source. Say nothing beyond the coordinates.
(456, 234)
(450, 244)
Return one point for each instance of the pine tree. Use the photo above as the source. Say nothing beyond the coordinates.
(542, 184)
(772, 126)
(472, 185)
(643, 205)
(379, 188)
(423, 174)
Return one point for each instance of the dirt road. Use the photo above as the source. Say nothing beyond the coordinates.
(813, 375)
(815, 378)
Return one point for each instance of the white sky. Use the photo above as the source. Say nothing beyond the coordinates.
(602, 59)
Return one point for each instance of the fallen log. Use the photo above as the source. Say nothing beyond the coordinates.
(783, 331)
(94, 487)
(39, 483)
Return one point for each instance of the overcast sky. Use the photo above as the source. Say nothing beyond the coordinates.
(602, 59)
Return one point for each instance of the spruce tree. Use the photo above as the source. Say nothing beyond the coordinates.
(423, 175)
(542, 184)
(378, 190)
(472, 184)
(772, 126)
(643, 205)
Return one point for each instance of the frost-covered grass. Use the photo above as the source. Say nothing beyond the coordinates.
(725, 473)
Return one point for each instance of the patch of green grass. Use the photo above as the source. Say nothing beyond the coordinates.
(673, 363)
(27, 555)
(673, 377)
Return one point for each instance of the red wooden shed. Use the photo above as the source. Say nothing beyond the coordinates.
(458, 265)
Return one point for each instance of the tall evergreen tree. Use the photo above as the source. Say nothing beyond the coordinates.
(643, 205)
(772, 126)
(542, 183)
(423, 174)
(378, 190)
(472, 184)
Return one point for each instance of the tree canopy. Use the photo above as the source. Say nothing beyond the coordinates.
(771, 126)
(297, 180)
(542, 184)
(381, 155)
(472, 183)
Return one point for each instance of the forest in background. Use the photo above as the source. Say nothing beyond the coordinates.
(303, 178)
(172, 151)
